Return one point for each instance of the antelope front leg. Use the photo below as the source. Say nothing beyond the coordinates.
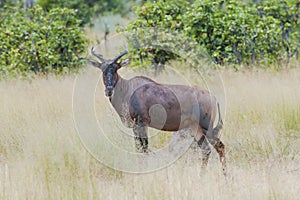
(141, 137)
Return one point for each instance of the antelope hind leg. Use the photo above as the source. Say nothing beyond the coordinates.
(205, 151)
(220, 148)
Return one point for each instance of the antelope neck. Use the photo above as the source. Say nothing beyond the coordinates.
(121, 88)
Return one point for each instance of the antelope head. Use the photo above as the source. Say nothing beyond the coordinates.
(109, 69)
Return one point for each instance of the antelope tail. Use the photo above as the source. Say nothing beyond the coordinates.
(219, 126)
(213, 134)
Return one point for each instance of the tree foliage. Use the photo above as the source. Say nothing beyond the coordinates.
(86, 9)
(231, 31)
(40, 42)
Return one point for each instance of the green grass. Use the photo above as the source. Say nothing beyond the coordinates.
(41, 156)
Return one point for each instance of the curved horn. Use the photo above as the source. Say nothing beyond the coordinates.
(119, 56)
(100, 57)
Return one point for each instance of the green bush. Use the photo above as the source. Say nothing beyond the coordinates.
(40, 42)
(287, 12)
(154, 18)
(85, 9)
(231, 31)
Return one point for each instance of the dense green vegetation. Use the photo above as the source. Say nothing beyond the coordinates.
(86, 9)
(39, 41)
(231, 31)
(48, 37)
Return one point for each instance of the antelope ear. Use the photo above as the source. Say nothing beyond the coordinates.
(95, 63)
(124, 62)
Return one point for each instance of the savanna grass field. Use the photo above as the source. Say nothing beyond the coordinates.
(42, 157)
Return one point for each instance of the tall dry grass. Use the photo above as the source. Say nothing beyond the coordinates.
(41, 156)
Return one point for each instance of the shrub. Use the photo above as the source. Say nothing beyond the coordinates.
(40, 42)
(231, 31)
(85, 9)
(151, 19)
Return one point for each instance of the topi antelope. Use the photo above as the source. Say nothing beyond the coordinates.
(141, 103)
